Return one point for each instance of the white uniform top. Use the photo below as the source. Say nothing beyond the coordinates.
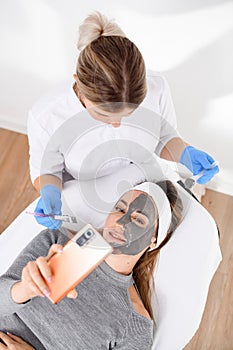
(51, 112)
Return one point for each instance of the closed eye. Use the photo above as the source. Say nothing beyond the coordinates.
(140, 219)
(121, 206)
(119, 209)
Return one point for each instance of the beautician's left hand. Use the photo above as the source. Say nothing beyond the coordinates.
(199, 162)
(13, 342)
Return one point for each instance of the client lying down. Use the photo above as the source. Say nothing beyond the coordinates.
(109, 309)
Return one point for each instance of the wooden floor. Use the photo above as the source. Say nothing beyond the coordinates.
(16, 190)
(216, 330)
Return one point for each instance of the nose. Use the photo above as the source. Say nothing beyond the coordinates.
(119, 224)
(116, 123)
(123, 221)
(119, 228)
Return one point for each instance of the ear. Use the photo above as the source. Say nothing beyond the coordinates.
(76, 89)
(153, 243)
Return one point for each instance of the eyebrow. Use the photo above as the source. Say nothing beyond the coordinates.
(141, 212)
(137, 211)
(105, 115)
(124, 202)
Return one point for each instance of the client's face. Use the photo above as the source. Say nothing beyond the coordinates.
(132, 223)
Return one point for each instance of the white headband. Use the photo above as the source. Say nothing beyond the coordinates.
(163, 207)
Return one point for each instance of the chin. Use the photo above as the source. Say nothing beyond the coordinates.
(116, 252)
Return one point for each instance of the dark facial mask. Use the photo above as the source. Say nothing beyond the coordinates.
(138, 238)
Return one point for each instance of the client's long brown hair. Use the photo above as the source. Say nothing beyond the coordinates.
(143, 271)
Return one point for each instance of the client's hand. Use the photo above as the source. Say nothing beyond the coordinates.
(33, 278)
(12, 342)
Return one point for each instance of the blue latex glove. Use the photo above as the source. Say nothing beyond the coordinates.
(49, 203)
(199, 162)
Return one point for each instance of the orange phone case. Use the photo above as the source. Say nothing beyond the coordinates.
(76, 261)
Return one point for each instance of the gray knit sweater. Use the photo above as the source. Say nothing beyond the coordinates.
(101, 317)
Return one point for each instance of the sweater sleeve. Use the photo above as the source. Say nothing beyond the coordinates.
(39, 246)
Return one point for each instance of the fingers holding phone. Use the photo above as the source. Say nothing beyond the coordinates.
(55, 248)
(12, 342)
(42, 263)
(32, 281)
(72, 294)
(46, 270)
(36, 272)
(34, 277)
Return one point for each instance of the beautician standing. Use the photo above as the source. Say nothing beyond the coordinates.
(110, 82)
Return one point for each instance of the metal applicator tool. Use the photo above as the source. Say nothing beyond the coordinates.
(65, 218)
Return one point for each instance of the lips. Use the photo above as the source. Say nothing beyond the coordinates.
(116, 236)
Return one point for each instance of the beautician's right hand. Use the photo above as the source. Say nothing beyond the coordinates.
(33, 278)
(49, 203)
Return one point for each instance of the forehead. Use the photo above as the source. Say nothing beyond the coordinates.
(130, 197)
(124, 112)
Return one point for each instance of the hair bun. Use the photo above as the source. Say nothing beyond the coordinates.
(95, 26)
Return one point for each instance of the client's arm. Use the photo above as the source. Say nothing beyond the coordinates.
(39, 246)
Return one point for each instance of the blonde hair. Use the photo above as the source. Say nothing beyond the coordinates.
(143, 271)
(94, 26)
(110, 68)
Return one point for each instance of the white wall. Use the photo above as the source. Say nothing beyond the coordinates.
(189, 41)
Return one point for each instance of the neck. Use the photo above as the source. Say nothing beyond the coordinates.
(121, 263)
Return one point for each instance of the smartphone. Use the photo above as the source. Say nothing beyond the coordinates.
(80, 256)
